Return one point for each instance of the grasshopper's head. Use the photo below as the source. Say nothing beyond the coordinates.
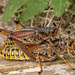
(71, 46)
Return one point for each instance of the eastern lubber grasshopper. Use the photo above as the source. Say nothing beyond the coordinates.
(10, 51)
(38, 42)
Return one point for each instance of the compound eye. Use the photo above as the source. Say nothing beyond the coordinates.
(70, 43)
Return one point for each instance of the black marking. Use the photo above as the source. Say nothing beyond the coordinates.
(15, 21)
(9, 38)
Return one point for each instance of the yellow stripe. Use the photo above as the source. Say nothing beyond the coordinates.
(25, 56)
(19, 54)
(15, 54)
(10, 53)
(6, 52)
(11, 44)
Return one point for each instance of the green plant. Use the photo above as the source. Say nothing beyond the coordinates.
(34, 7)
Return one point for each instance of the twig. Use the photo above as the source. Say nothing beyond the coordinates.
(72, 33)
(32, 23)
(50, 21)
(46, 17)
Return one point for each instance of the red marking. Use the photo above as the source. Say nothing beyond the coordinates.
(20, 34)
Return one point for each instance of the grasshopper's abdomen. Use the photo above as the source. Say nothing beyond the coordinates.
(12, 52)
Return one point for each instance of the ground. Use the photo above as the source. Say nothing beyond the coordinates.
(57, 67)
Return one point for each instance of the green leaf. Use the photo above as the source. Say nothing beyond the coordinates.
(59, 6)
(11, 8)
(33, 8)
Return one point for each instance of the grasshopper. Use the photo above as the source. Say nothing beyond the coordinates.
(38, 43)
(8, 52)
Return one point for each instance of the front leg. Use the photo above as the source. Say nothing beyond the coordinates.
(3, 46)
(16, 22)
(66, 62)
